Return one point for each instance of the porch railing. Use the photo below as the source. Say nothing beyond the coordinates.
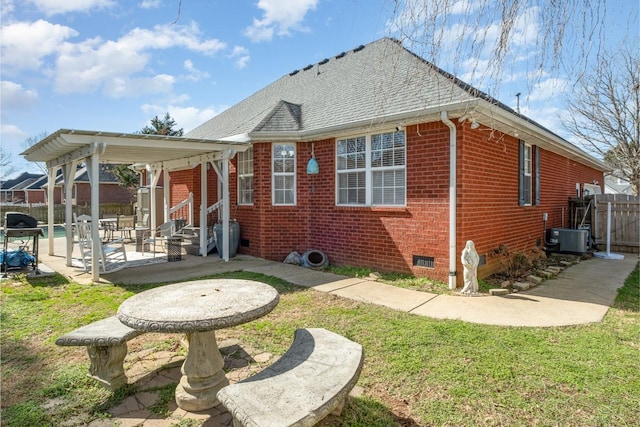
(183, 212)
(214, 215)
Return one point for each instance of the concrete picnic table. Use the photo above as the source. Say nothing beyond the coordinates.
(198, 308)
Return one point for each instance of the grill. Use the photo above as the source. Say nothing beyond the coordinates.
(19, 226)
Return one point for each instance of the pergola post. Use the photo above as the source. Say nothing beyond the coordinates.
(51, 179)
(225, 204)
(203, 208)
(68, 175)
(93, 170)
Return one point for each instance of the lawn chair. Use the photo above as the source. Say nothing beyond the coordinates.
(112, 256)
(159, 235)
(126, 225)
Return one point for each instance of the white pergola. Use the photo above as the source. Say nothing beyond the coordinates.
(157, 154)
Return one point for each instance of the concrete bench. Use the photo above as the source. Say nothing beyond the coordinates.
(310, 381)
(106, 342)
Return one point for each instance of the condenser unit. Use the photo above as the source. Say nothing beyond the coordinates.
(568, 240)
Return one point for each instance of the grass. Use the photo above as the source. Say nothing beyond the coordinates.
(418, 371)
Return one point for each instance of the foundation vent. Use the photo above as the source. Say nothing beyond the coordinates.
(424, 261)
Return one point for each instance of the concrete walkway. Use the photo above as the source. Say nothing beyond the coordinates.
(582, 293)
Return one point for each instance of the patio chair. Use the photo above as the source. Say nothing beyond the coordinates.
(159, 236)
(125, 225)
(144, 223)
(112, 256)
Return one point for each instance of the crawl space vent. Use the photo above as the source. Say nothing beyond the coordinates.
(423, 261)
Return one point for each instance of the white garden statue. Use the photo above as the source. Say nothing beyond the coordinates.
(470, 261)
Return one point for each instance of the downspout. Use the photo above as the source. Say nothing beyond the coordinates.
(452, 200)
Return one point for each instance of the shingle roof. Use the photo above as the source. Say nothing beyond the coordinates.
(372, 81)
(10, 183)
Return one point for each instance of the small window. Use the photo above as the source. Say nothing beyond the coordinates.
(525, 174)
(284, 174)
(245, 177)
(529, 167)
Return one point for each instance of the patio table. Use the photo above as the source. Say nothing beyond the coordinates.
(198, 308)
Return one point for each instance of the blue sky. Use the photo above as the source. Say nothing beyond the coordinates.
(112, 65)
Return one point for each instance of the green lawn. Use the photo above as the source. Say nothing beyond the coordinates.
(418, 371)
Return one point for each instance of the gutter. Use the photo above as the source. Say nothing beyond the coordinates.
(452, 199)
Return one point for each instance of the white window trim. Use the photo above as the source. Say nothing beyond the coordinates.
(245, 175)
(274, 174)
(528, 173)
(368, 169)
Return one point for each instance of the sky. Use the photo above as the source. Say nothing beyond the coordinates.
(112, 65)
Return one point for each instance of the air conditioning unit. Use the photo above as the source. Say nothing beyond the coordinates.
(568, 240)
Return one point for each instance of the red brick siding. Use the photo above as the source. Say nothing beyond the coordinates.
(386, 239)
(109, 193)
(35, 196)
(488, 210)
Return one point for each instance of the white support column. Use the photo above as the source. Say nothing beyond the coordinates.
(154, 177)
(225, 205)
(93, 170)
(68, 175)
(203, 208)
(167, 200)
(51, 180)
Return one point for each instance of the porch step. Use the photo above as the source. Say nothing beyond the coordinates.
(191, 240)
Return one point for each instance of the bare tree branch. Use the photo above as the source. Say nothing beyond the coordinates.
(179, 11)
(605, 113)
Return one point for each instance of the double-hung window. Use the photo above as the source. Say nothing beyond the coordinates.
(284, 174)
(245, 177)
(371, 170)
(529, 167)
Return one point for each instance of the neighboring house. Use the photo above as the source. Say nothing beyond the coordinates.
(29, 188)
(110, 189)
(35, 193)
(14, 190)
(613, 185)
(382, 124)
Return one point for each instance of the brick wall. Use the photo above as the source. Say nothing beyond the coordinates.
(488, 210)
(386, 239)
(109, 193)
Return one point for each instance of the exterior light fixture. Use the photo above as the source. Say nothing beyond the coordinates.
(475, 125)
(312, 167)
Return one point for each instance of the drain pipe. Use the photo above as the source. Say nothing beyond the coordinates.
(452, 200)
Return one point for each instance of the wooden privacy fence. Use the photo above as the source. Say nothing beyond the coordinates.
(625, 221)
(40, 212)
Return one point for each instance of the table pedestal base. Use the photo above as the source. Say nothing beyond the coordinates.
(202, 374)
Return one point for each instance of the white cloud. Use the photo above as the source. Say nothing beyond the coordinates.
(465, 7)
(150, 4)
(6, 7)
(279, 17)
(25, 45)
(187, 118)
(194, 73)
(119, 87)
(12, 132)
(241, 56)
(548, 89)
(87, 66)
(52, 7)
(167, 36)
(15, 97)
